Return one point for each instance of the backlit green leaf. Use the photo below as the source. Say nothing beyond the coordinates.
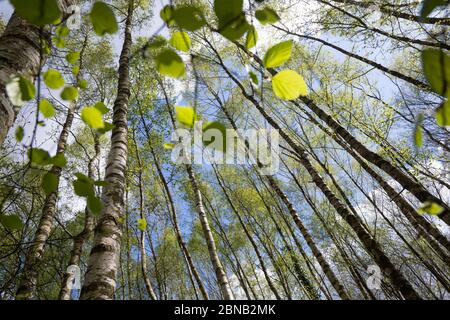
(73, 57)
(418, 131)
(189, 18)
(289, 85)
(92, 117)
(443, 114)
(46, 108)
(103, 19)
(278, 54)
(169, 63)
(186, 116)
(180, 41)
(267, 16)
(19, 134)
(252, 37)
(100, 106)
(220, 129)
(38, 12)
(38, 156)
(232, 21)
(49, 183)
(142, 224)
(436, 67)
(53, 79)
(431, 208)
(69, 94)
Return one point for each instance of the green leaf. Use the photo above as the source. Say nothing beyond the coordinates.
(46, 108)
(103, 19)
(20, 90)
(168, 146)
(157, 42)
(38, 156)
(59, 42)
(169, 63)
(73, 57)
(232, 21)
(69, 94)
(289, 85)
(436, 67)
(443, 114)
(278, 54)
(108, 127)
(27, 89)
(101, 183)
(166, 14)
(84, 178)
(223, 131)
(100, 106)
(94, 204)
(82, 84)
(75, 70)
(142, 224)
(180, 41)
(38, 12)
(429, 5)
(431, 208)
(53, 79)
(62, 31)
(418, 131)
(186, 116)
(49, 183)
(267, 16)
(253, 77)
(92, 117)
(252, 37)
(11, 222)
(189, 18)
(19, 134)
(58, 160)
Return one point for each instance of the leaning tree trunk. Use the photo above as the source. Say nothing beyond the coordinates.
(210, 242)
(371, 245)
(144, 269)
(309, 240)
(100, 277)
(27, 286)
(180, 240)
(21, 55)
(80, 239)
(404, 180)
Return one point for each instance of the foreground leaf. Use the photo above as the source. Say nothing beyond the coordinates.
(169, 63)
(11, 222)
(180, 41)
(289, 85)
(278, 54)
(436, 67)
(49, 183)
(186, 116)
(38, 12)
(46, 108)
(267, 16)
(53, 79)
(103, 19)
(92, 117)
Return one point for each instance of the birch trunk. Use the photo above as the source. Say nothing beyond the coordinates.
(100, 278)
(21, 55)
(80, 239)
